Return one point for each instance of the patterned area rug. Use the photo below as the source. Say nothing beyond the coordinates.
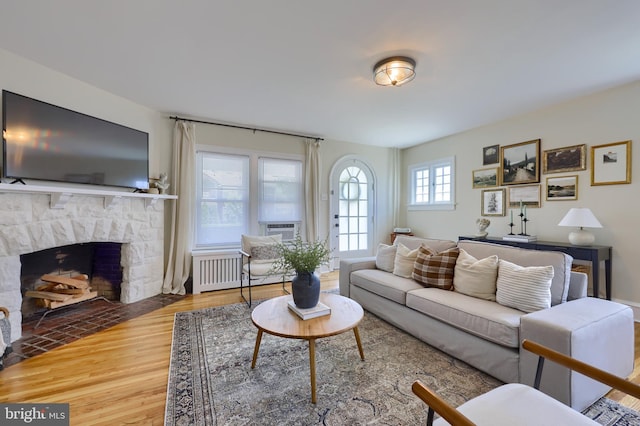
(211, 381)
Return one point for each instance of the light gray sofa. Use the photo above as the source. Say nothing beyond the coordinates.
(488, 335)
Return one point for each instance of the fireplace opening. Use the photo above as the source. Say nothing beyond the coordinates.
(99, 262)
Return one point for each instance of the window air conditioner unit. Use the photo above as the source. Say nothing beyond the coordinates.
(288, 230)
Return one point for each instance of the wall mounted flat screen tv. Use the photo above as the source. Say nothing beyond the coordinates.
(45, 142)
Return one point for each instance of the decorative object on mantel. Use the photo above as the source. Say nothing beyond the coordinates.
(162, 183)
(482, 225)
(522, 237)
(582, 218)
(303, 258)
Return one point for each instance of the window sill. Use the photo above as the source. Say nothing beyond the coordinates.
(418, 207)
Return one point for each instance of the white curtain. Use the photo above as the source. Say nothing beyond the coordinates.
(183, 175)
(312, 188)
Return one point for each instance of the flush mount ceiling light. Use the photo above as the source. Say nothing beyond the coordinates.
(394, 71)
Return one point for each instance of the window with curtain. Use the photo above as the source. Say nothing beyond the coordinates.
(280, 183)
(432, 185)
(222, 201)
(236, 191)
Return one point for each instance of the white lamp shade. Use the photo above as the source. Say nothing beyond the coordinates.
(580, 218)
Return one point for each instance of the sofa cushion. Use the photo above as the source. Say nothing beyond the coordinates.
(524, 288)
(404, 260)
(385, 257)
(561, 263)
(412, 242)
(384, 284)
(483, 318)
(435, 270)
(476, 278)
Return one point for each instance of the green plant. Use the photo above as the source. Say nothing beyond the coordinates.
(301, 256)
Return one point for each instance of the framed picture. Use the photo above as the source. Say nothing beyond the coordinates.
(562, 188)
(611, 163)
(567, 159)
(520, 162)
(485, 178)
(493, 202)
(490, 154)
(528, 195)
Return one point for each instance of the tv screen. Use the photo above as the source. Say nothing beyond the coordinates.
(47, 142)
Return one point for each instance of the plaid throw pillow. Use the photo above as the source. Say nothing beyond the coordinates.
(435, 270)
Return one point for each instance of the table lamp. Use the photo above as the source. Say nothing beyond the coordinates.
(580, 218)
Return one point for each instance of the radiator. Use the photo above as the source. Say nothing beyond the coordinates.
(216, 270)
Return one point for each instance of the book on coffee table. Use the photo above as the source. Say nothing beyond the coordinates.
(307, 313)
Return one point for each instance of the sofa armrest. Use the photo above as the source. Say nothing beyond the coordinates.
(596, 331)
(347, 266)
(578, 283)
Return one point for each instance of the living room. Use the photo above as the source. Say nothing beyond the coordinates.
(600, 114)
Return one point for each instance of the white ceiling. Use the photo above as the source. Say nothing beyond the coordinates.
(306, 66)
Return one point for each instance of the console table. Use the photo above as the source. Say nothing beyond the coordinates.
(593, 254)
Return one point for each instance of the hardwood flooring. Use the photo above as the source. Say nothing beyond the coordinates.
(118, 376)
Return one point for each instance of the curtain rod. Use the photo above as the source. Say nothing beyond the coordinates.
(246, 128)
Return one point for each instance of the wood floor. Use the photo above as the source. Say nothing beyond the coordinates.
(119, 376)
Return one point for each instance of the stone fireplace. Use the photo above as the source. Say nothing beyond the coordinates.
(31, 222)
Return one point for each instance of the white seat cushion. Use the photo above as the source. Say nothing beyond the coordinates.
(517, 404)
(489, 320)
(384, 284)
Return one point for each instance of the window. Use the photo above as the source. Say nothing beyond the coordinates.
(432, 185)
(236, 191)
(222, 209)
(280, 190)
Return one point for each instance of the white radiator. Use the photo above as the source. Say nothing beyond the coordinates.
(216, 270)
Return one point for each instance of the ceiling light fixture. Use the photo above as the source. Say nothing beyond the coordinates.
(394, 71)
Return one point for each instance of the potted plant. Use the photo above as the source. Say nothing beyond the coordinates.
(303, 258)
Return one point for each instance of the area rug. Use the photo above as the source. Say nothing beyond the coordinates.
(211, 381)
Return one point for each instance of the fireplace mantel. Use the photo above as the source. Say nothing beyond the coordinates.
(60, 195)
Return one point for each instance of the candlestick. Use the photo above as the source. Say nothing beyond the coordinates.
(525, 211)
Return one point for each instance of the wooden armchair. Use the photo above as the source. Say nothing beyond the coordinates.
(517, 404)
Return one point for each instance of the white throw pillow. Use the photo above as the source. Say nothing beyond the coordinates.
(385, 257)
(476, 278)
(527, 289)
(249, 241)
(404, 260)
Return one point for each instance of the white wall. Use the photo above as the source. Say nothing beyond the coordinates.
(605, 117)
(28, 78)
(330, 152)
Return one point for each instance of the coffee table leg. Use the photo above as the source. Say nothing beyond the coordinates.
(312, 368)
(255, 350)
(355, 331)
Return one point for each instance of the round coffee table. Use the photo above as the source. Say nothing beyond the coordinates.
(274, 317)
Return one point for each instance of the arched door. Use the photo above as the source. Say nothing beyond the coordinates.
(352, 209)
